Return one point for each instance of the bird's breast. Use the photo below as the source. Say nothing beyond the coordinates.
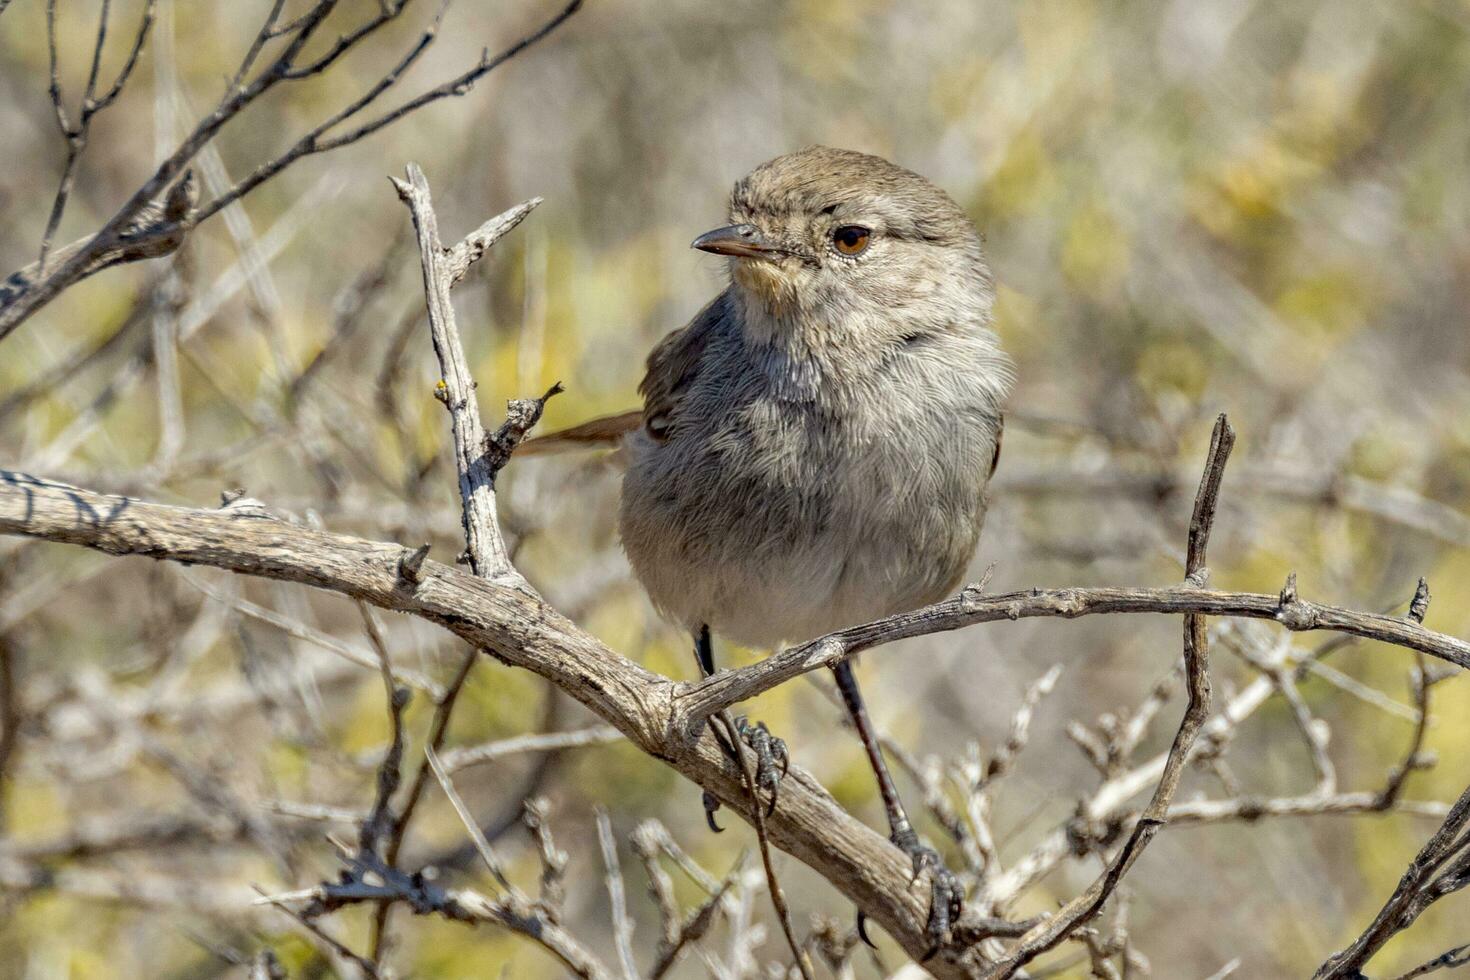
(779, 510)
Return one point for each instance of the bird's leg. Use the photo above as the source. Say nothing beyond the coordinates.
(704, 657)
(771, 758)
(704, 652)
(946, 895)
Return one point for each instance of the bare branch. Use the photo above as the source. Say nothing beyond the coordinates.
(387, 12)
(155, 229)
(474, 755)
(473, 246)
(649, 840)
(482, 846)
(382, 884)
(484, 542)
(1196, 668)
(380, 823)
(622, 925)
(553, 859)
(1441, 867)
(746, 765)
(131, 234)
(301, 631)
(509, 619)
(367, 967)
(317, 140)
(258, 43)
(76, 134)
(459, 85)
(1103, 816)
(694, 927)
(438, 729)
(699, 700)
(1448, 960)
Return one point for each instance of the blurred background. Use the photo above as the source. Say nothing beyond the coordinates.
(1244, 207)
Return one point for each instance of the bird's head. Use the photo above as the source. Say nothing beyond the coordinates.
(824, 236)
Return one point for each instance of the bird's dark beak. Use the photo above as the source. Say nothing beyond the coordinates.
(744, 241)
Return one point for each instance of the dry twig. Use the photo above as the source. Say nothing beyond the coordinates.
(1196, 667)
(164, 208)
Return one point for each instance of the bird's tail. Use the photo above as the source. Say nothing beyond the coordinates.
(602, 433)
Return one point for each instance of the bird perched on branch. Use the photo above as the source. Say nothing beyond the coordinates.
(814, 447)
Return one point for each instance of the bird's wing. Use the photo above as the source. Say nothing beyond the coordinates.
(671, 367)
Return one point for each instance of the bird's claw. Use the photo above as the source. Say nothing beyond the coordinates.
(862, 930)
(772, 760)
(711, 807)
(946, 894)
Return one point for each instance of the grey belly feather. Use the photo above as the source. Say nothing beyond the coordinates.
(782, 522)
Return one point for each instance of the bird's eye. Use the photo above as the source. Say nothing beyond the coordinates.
(850, 239)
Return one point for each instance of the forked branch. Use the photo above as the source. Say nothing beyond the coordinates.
(520, 629)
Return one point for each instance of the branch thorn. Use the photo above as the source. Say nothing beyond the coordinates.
(1420, 604)
(1288, 591)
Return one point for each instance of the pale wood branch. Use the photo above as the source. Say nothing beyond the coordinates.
(972, 606)
(507, 618)
(442, 268)
(503, 615)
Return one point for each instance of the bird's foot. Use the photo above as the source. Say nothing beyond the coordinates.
(772, 760)
(946, 894)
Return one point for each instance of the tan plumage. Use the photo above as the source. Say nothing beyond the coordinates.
(814, 447)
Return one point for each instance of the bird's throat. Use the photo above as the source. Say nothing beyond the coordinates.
(767, 285)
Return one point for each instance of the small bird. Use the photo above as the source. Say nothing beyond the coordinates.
(814, 448)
